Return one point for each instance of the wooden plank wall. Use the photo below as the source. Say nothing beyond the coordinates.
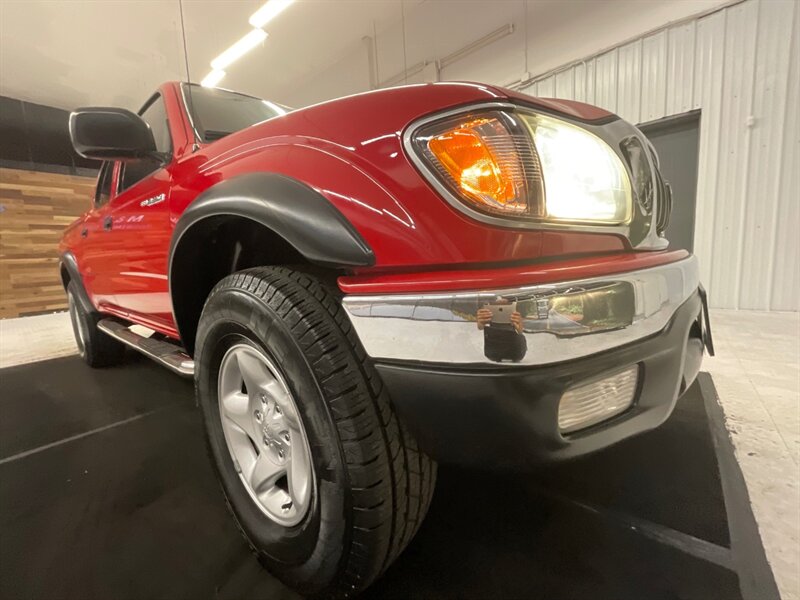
(36, 207)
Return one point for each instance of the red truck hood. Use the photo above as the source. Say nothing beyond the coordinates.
(354, 119)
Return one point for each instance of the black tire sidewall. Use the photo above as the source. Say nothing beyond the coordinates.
(99, 349)
(84, 321)
(305, 552)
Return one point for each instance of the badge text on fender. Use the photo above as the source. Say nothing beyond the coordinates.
(153, 200)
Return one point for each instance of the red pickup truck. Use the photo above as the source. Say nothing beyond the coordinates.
(450, 272)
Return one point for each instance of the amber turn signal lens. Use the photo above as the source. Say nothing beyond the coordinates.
(481, 158)
(470, 162)
(487, 161)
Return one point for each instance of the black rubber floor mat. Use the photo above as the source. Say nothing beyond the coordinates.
(669, 476)
(106, 492)
(48, 401)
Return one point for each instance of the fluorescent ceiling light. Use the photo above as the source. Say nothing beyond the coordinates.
(269, 11)
(213, 78)
(239, 49)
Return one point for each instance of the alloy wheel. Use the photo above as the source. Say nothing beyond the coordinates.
(265, 435)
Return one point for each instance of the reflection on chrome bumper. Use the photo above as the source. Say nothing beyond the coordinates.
(532, 325)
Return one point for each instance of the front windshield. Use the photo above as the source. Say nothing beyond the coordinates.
(217, 113)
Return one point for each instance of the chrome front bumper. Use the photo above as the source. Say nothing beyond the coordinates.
(560, 322)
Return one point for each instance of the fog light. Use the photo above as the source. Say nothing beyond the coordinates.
(591, 403)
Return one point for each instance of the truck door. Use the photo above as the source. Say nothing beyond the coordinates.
(92, 252)
(139, 231)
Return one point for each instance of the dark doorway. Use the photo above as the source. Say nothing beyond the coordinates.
(676, 140)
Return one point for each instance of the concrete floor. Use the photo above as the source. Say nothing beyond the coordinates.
(757, 376)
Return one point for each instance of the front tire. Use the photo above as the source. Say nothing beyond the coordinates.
(369, 486)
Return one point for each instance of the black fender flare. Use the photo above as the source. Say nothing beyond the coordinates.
(291, 209)
(70, 264)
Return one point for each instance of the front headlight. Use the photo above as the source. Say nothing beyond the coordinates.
(528, 166)
(584, 179)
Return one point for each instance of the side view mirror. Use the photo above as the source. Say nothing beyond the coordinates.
(110, 134)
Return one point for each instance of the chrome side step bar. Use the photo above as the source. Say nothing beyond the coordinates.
(171, 356)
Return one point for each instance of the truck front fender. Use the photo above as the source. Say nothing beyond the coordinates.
(288, 213)
(289, 208)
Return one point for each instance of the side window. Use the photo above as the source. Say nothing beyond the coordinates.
(103, 192)
(155, 115)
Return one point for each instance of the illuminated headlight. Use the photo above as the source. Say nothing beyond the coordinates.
(592, 403)
(528, 166)
(584, 179)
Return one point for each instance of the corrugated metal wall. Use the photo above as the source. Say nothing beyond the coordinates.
(740, 67)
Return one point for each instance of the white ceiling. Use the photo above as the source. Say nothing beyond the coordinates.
(70, 53)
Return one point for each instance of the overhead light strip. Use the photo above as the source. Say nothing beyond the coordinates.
(258, 19)
(213, 78)
(269, 11)
(239, 49)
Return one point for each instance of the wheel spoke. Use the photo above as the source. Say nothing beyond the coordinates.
(265, 473)
(277, 500)
(236, 407)
(255, 374)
